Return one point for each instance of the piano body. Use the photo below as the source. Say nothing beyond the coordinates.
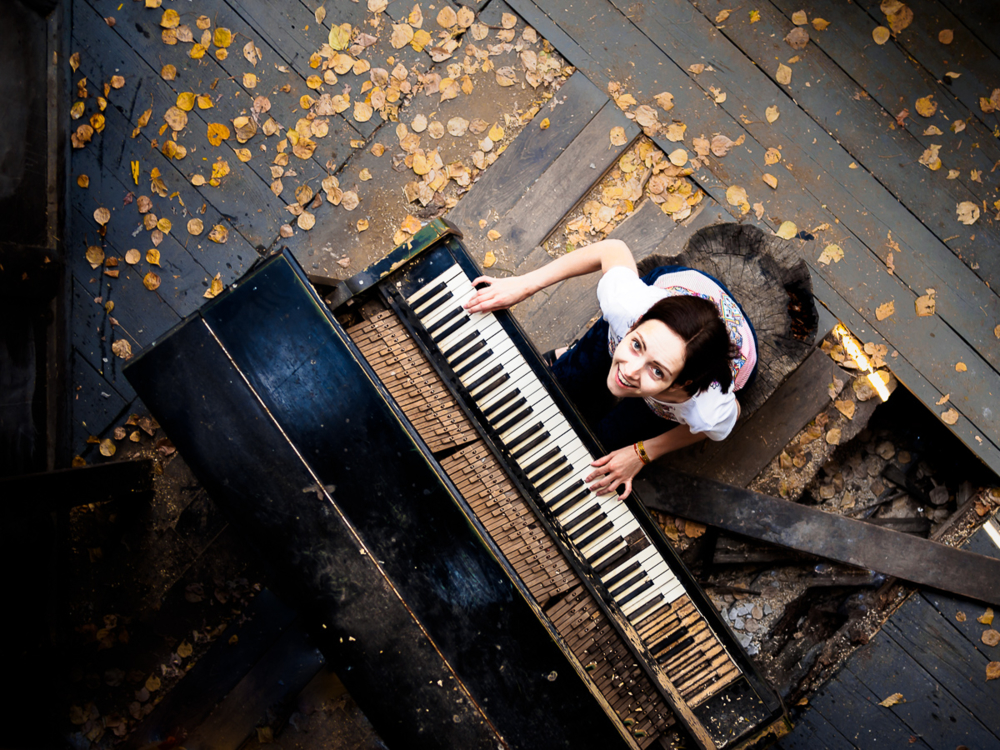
(413, 475)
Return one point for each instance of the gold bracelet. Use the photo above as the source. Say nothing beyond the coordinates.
(643, 456)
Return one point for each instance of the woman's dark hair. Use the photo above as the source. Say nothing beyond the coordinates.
(708, 350)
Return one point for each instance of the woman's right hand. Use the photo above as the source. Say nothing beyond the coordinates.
(499, 294)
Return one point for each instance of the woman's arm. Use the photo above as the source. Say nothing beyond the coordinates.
(502, 293)
(622, 466)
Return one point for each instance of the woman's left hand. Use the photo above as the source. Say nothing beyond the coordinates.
(618, 467)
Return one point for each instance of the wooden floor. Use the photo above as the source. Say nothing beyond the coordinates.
(931, 652)
(849, 174)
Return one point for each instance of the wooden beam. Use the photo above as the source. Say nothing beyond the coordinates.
(69, 488)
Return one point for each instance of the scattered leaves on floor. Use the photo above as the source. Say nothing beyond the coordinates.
(884, 310)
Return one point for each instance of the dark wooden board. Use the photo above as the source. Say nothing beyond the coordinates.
(928, 709)
(891, 79)
(853, 711)
(973, 60)
(216, 673)
(859, 281)
(818, 85)
(811, 732)
(524, 161)
(243, 196)
(982, 17)
(282, 672)
(68, 488)
(757, 440)
(931, 639)
(94, 404)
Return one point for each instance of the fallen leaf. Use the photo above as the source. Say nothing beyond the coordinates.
(832, 253)
(102, 216)
(678, 157)
(960, 616)
(402, 34)
(722, 16)
(508, 20)
(489, 259)
(799, 18)
(195, 227)
(892, 700)
(306, 221)
(784, 74)
(164, 225)
(930, 159)
(350, 201)
(117, 82)
(151, 281)
(171, 19)
(675, 132)
(736, 195)
(493, 235)
(986, 618)
(95, 256)
(176, 118)
(797, 38)
(83, 181)
(901, 19)
(950, 416)
(846, 408)
(968, 212)
(960, 367)
(770, 180)
(153, 256)
(665, 101)
(820, 23)
(881, 35)
(771, 113)
(883, 311)
(787, 230)
(219, 234)
(833, 436)
(618, 137)
(926, 106)
(992, 670)
(925, 304)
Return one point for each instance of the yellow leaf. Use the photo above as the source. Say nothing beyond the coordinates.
(214, 290)
(153, 257)
(76, 111)
(219, 234)
(171, 19)
(544, 124)
(340, 36)
(846, 408)
(217, 133)
(83, 181)
(102, 216)
(185, 101)
(968, 212)
(770, 180)
(754, 16)
(362, 225)
(820, 23)
(950, 416)
(95, 256)
(152, 282)
(771, 113)
(926, 106)
(420, 40)
(884, 310)
(925, 304)
(74, 61)
(402, 34)
(880, 34)
(787, 230)
(195, 227)
(833, 436)
(410, 224)
(496, 133)
(960, 367)
(243, 154)
(250, 80)
(892, 700)
(223, 37)
(489, 260)
(618, 137)
(832, 253)
(784, 74)
(799, 18)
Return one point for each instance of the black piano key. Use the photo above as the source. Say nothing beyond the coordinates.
(571, 526)
(615, 560)
(521, 437)
(434, 305)
(565, 493)
(427, 293)
(485, 377)
(490, 410)
(589, 526)
(627, 584)
(474, 363)
(445, 320)
(636, 592)
(555, 478)
(450, 330)
(541, 462)
(517, 418)
(618, 577)
(557, 465)
(672, 652)
(572, 502)
(510, 410)
(679, 633)
(492, 386)
(467, 353)
(635, 616)
(463, 343)
(525, 449)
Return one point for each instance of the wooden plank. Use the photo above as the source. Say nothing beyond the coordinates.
(891, 79)
(527, 157)
(853, 711)
(922, 261)
(950, 606)
(130, 479)
(812, 731)
(860, 281)
(982, 17)
(564, 183)
(931, 639)
(94, 404)
(243, 196)
(974, 62)
(928, 709)
(757, 440)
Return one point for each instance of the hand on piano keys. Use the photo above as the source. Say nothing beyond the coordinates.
(490, 294)
(617, 468)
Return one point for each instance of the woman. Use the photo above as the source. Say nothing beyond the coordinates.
(662, 347)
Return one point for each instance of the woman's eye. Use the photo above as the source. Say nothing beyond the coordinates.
(658, 373)
(635, 344)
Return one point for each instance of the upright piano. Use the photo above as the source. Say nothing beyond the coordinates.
(414, 474)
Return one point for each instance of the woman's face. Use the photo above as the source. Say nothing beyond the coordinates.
(647, 361)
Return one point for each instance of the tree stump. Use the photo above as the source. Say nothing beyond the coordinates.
(771, 282)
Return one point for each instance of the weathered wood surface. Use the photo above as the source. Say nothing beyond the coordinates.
(935, 660)
(820, 189)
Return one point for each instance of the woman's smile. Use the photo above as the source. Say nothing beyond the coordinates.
(646, 362)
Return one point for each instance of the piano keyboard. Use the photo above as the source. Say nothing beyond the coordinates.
(553, 458)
